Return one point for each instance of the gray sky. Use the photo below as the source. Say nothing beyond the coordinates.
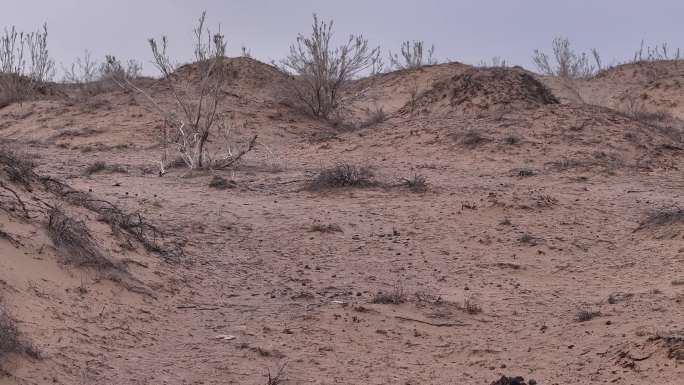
(462, 30)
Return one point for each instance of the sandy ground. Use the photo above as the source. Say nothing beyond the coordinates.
(521, 232)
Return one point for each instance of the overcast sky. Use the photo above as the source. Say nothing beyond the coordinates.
(462, 30)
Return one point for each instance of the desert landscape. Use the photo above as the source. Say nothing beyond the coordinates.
(327, 219)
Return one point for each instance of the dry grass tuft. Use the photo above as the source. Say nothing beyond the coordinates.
(396, 296)
(100, 166)
(416, 183)
(584, 315)
(221, 183)
(470, 306)
(663, 217)
(329, 228)
(470, 138)
(9, 335)
(18, 168)
(75, 243)
(343, 175)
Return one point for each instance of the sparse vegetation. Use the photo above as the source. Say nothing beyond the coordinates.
(374, 115)
(566, 63)
(584, 315)
(663, 217)
(527, 239)
(657, 53)
(221, 183)
(470, 306)
(413, 55)
(25, 64)
(395, 296)
(525, 172)
(512, 140)
(416, 183)
(470, 138)
(195, 116)
(325, 228)
(9, 334)
(75, 242)
(101, 166)
(321, 71)
(343, 175)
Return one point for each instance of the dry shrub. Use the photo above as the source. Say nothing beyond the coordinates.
(75, 242)
(9, 335)
(416, 183)
(19, 169)
(413, 55)
(25, 64)
(470, 138)
(566, 63)
(321, 71)
(343, 175)
(329, 228)
(470, 306)
(584, 315)
(396, 296)
(374, 116)
(100, 166)
(130, 226)
(221, 183)
(198, 90)
(663, 217)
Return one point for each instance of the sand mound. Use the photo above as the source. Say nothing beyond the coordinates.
(243, 72)
(643, 72)
(478, 91)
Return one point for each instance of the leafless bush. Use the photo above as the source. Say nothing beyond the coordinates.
(657, 53)
(194, 118)
(278, 377)
(413, 55)
(342, 175)
(321, 71)
(497, 61)
(19, 169)
(74, 241)
(113, 68)
(25, 64)
(566, 63)
(83, 71)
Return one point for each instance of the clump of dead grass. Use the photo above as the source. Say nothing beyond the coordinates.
(9, 334)
(75, 242)
(470, 138)
(100, 166)
(325, 228)
(221, 183)
(584, 315)
(395, 296)
(470, 306)
(415, 183)
(343, 175)
(663, 217)
(18, 168)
